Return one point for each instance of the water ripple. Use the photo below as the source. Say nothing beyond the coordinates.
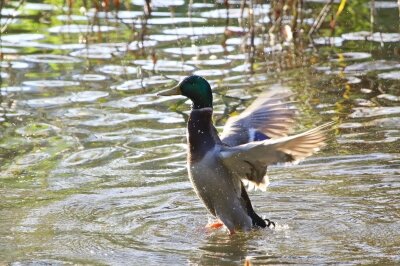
(89, 156)
(160, 3)
(164, 65)
(393, 75)
(384, 37)
(38, 130)
(199, 50)
(347, 56)
(117, 70)
(15, 64)
(51, 59)
(374, 111)
(201, 30)
(115, 119)
(371, 66)
(16, 38)
(14, 89)
(175, 20)
(235, 12)
(88, 96)
(78, 28)
(145, 83)
(50, 83)
(356, 36)
(89, 77)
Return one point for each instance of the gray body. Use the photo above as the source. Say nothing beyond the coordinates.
(219, 191)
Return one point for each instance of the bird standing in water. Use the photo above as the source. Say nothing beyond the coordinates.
(220, 166)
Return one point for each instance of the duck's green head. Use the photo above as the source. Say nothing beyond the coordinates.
(194, 87)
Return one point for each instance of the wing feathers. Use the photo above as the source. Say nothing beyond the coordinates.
(304, 144)
(250, 160)
(271, 114)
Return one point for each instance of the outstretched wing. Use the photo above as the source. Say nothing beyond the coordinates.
(249, 161)
(271, 115)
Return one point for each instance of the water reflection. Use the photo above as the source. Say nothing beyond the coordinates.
(223, 249)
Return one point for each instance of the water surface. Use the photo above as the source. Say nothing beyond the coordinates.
(93, 163)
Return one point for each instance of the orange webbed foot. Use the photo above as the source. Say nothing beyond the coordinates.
(215, 225)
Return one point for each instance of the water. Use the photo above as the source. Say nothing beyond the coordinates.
(93, 163)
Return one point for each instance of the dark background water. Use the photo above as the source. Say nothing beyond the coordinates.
(93, 166)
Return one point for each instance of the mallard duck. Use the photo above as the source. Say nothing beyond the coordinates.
(220, 166)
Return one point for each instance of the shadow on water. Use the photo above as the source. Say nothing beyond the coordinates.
(93, 163)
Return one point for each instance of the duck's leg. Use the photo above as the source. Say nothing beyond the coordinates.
(215, 225)
(256, 220)
(227, 223)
